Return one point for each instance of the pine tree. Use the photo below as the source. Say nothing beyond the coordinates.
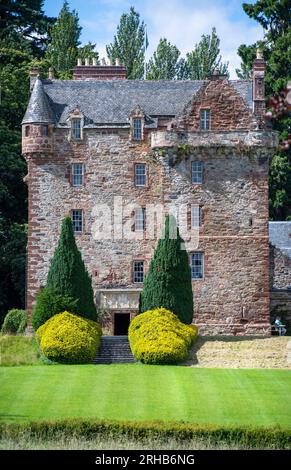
(164, 64)
(129, 44)
(63, 50)
(68, 274)
(204, 59)
(168, 283)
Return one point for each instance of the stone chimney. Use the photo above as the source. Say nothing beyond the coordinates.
(51, 74)
(259, 67)
(33, 74)
(99, 72)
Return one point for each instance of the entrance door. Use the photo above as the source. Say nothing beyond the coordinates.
(121, 323)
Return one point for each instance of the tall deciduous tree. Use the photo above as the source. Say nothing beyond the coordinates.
(129, 44)
(168, 282)
(275, 18)
(63, 49)
(204, 59)
(88, 51)
(68, 274)
(164, 65)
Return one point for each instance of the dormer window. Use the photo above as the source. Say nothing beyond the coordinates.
(76, 129)
(205, 119)
(137, 128)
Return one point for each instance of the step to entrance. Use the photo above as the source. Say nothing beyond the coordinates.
(114, 350)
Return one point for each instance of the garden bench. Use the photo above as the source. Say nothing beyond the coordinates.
(276, 329)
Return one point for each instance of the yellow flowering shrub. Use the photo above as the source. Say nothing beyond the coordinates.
(66, 337)
(159, 337)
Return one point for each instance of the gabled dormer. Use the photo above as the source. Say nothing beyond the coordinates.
(76, 124)
(137, 122)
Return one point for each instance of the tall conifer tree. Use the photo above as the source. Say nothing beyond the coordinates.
(168, 283)
(68, 274)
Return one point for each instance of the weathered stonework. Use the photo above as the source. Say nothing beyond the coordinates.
(233, 297)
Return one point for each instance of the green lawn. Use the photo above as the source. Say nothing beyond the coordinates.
(138, 392)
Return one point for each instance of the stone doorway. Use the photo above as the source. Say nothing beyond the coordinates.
(121, 324)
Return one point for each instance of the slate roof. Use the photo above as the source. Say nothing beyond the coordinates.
(280, 236)
(111, 101)
(39, 109)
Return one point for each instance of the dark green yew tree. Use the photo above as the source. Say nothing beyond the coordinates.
(68, 274)
(168, 283)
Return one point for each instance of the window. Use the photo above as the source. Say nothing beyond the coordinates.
(196, 216)
(77, 220)
(76, 128)
(197, 265)
(139, 220)
(140, 174)
(137, 129)
(205, 119)
(44, 130)
(27, 131)
(77, 174)
(197, 172)
(138, 271)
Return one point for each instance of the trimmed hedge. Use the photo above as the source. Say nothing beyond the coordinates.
(159, 337)
(69, 338)
(14, 322)
(49, 302)
(249, 437)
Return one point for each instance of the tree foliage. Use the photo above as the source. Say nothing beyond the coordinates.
(129, 44)
(165, 64)
(24, 23)
(168, 283)
(275, 17)
(204, 59)
(62, 52)
(88, 51)
(68, 274)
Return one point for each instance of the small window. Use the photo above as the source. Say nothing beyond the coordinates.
(139, 220)
(44, 131)
(197, 172)
(77, 174)
(77, 220)
(197, 265)
(137, 129)
(76, 128)
(196, 217)
(27, 131)
(138, 271)
(205, 119)
(140, 174)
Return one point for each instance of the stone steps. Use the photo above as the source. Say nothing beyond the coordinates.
(114, 350)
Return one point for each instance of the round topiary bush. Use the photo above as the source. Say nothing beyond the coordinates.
(159, 337)
(69, 338)
(14, 322)
(49, 302)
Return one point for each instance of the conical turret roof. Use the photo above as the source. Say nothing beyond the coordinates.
(38, 109)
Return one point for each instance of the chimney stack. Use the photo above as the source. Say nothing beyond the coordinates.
(259, 67)
(99, 72)
(51, 74)
(33, 74)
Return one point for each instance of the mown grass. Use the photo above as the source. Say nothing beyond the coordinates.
(18, 350)
(136, 392)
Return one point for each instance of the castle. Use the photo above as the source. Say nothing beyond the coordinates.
(116, 154)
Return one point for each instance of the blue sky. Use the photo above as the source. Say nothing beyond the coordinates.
(181, 21)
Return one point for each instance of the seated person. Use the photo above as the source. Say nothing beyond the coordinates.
(280, 327)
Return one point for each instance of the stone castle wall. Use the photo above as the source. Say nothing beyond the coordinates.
(234, 295)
